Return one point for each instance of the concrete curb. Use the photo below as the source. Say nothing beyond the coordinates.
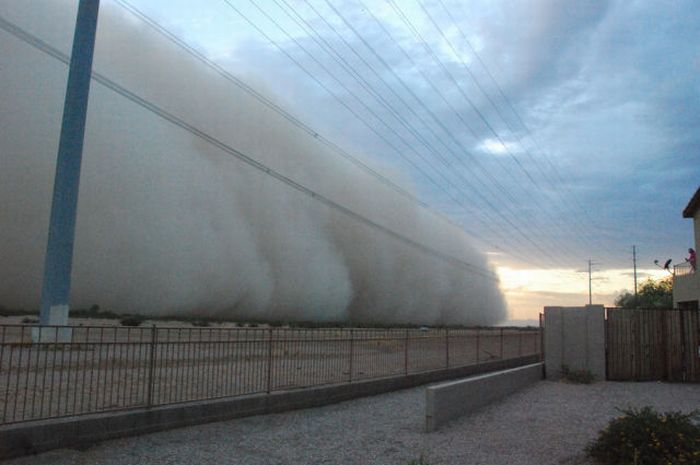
(447, 401)
(86, 430)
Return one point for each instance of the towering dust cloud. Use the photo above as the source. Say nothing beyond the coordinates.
(169, 223)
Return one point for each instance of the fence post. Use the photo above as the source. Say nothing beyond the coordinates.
(684, 355)
(665, 343)
(352, 352)
(447, 348)
(151, 366)
(477, 346)
(405, 353)
(269, 360)
(520, 343)
(501, 356)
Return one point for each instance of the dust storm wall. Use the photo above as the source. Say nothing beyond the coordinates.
(169, 223)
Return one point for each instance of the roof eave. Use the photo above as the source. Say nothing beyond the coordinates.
(693, 205)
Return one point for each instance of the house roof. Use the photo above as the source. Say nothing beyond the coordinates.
(693, 205)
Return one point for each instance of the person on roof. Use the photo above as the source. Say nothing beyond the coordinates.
(692, 258)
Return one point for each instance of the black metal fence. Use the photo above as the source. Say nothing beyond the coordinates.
(683, 269)
(49, 372)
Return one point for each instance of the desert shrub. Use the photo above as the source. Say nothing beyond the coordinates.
(16, 311)
(133, 320)
(422, 460)
(646, 437)
(577, 376)
(94, 312)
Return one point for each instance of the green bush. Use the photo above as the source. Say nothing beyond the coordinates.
(577, 376)
(133, 320)
(646, 437)
(422, 460)
(94, 312)
(16, 311)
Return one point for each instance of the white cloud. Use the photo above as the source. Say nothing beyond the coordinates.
(496, 147)
(529, 290)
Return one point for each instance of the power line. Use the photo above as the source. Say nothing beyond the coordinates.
(329, 49)
(537, 144)
(485, 186)
(267, 102)
(41, 45)
(434, 87)
(291, 118)
(472, 105)
(366, 108)
(294, 120)
(219, 69)
(510, 127)
(466, 67)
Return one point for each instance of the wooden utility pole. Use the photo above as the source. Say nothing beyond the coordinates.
(634, 261)
(590, 283)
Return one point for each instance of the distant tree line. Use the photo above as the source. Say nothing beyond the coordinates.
(650, 294)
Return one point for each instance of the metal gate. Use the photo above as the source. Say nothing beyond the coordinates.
(653, 344)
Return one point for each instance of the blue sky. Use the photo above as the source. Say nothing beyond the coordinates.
(552, 131)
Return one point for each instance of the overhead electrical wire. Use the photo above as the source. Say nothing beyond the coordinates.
(426, 78)
(363, 104)
(580, 227)
(553, 258)
(266, 101)
(481, 116)
(294, 120)
(349, 25)
(48, 49)
(373, 92)
(543, 154)
(367, 86)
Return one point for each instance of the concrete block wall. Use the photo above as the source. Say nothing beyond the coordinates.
(574, 337)
(447, 401)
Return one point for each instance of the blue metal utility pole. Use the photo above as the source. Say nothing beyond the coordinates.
(59, 251)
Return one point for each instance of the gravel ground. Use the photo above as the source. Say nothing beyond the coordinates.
(549, 423)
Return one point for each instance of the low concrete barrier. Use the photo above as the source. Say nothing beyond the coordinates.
(447, 401)
(39, 436)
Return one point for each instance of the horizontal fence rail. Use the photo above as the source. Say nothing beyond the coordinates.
(683, 269)
(50, 372)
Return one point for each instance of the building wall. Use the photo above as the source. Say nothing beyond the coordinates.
(696, 226)
(687, 288)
